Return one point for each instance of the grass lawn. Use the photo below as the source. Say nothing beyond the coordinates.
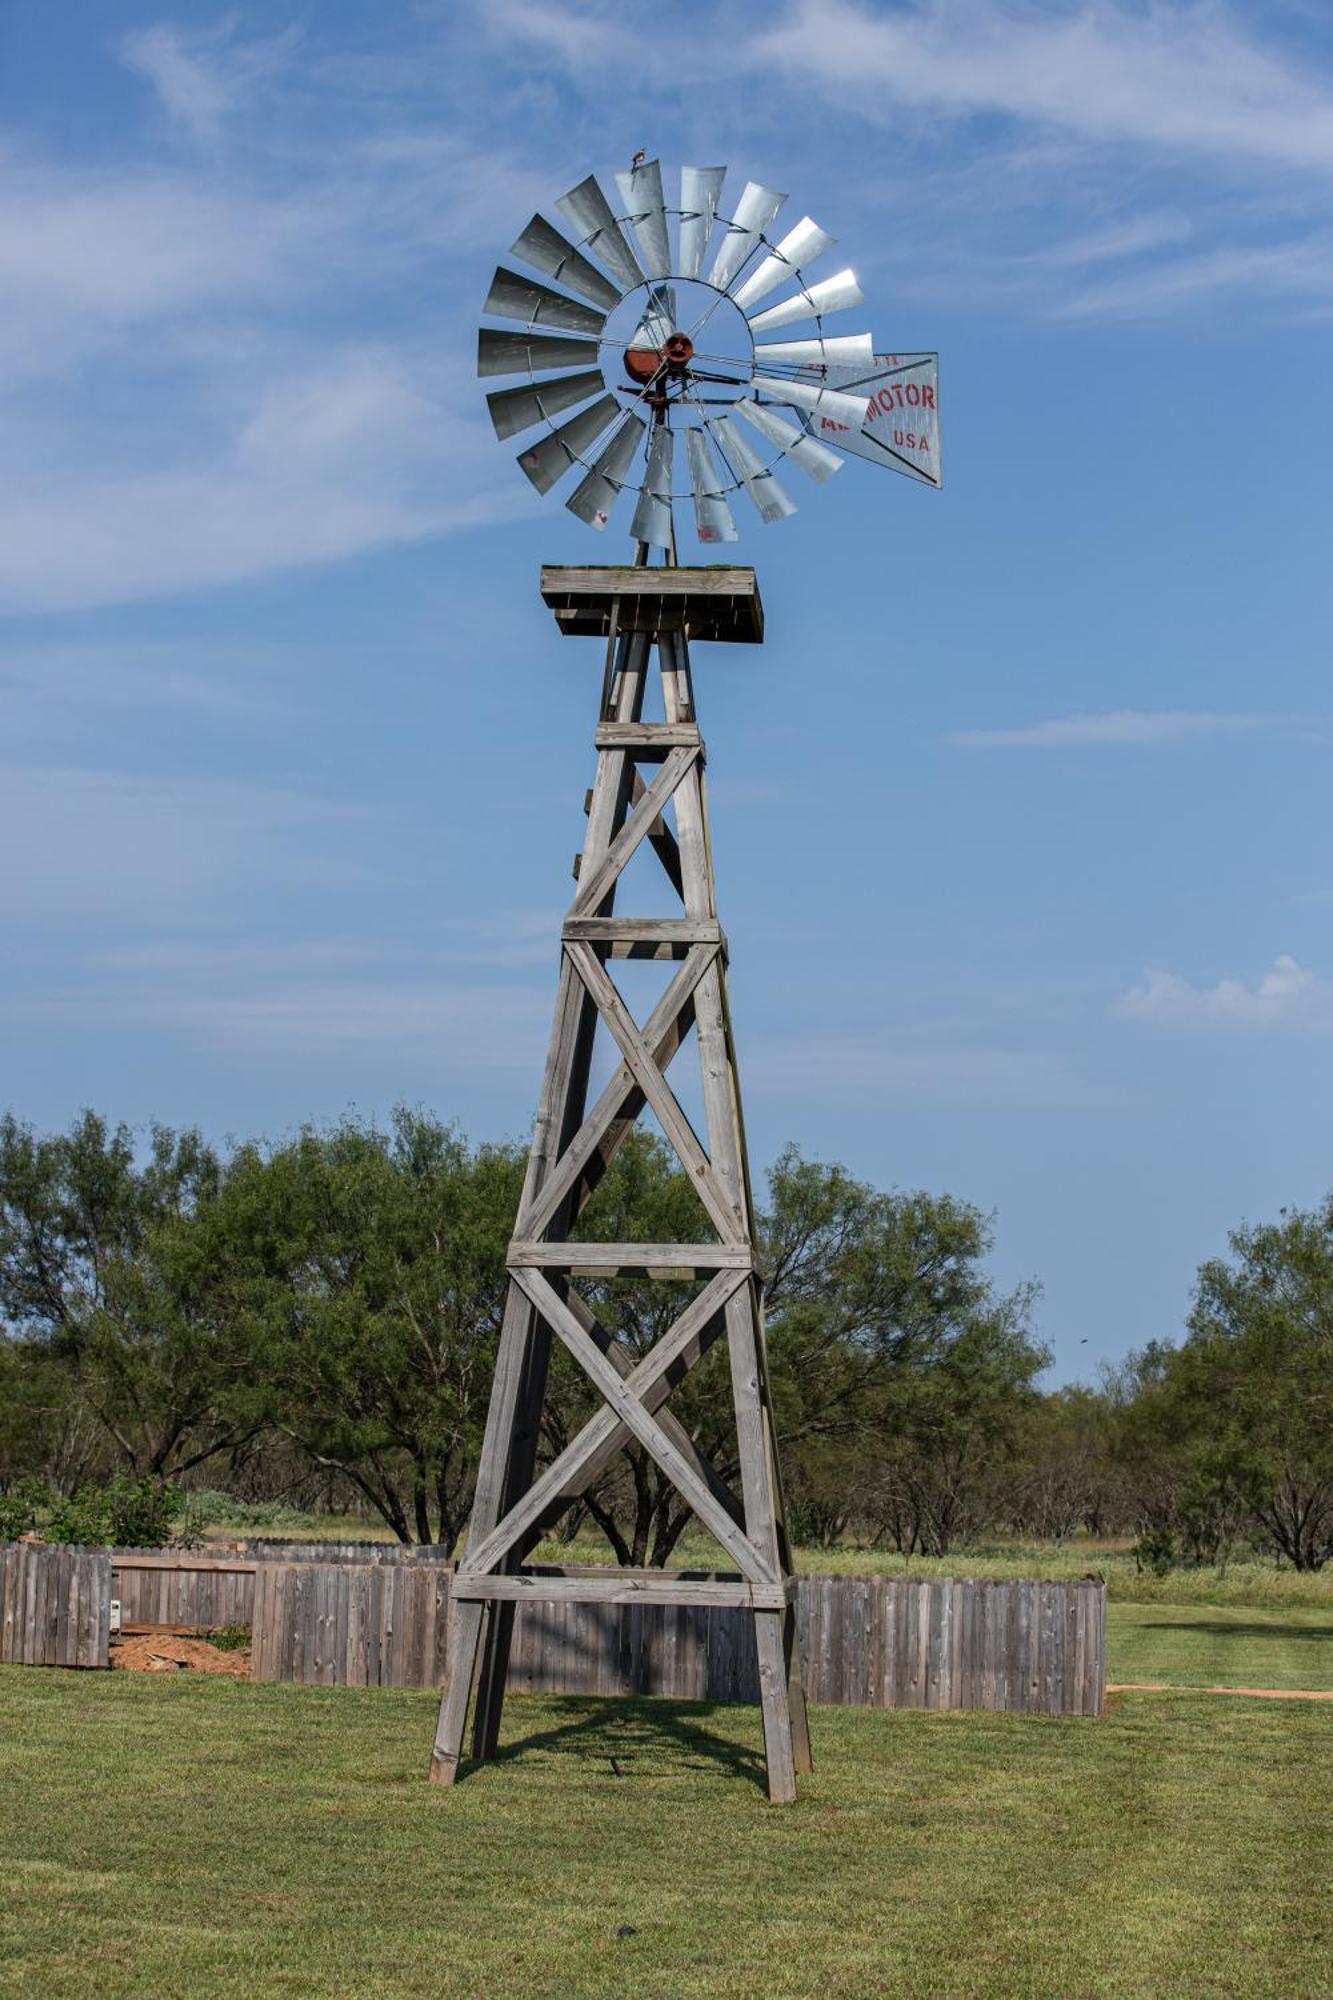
(1219, 1645)
(167, 1835)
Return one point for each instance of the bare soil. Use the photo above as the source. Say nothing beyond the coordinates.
(163, 1653)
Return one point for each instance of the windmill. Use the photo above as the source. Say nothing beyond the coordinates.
(649, 326)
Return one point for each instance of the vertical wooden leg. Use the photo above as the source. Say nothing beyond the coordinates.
(489, 1704)
(779, 1749)
(463, 1640)
(800, 1722)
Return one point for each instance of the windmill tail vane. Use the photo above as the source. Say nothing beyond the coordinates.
(672, 323)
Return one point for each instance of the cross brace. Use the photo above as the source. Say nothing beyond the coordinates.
(573, 1145)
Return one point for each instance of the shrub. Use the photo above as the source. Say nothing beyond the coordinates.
(19, 1508)
(125, 1513)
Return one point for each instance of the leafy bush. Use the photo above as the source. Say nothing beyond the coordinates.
(125, 1513)
(19, 1508)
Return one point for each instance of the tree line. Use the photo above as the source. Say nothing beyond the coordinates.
(315, 1321)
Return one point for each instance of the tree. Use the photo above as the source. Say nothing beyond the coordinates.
(94, 1282)
(361, 1273)
(1253, 1382)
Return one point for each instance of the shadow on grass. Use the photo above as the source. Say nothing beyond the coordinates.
(629, 1738)
(1226, 1630)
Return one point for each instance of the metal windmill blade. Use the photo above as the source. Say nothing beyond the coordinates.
(652, 516)
(796, 252)
(712, 516)
(645, 210)
(831, 296)
(514, 410)
(754, 211)
(846, 351)
(551, 457)
(502, 353)
(812, 396)
(589, 211)
(514, 297)
(763, 486)
(547, 250)
(595, 496)
(797, 445)
(700, 192)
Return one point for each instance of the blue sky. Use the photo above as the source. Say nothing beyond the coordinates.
(1021, 811)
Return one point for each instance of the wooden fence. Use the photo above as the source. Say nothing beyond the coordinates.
(879, 1642)
(55, 1606)
(365, 1616)
(383, 1624)
(215, 1586)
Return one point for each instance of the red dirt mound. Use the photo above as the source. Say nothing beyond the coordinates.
(164, 1654)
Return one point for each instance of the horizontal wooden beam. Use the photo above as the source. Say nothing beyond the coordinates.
(649, 741)
(183, 1559)
(624, 1586)
(680, 1259)
(642, 930)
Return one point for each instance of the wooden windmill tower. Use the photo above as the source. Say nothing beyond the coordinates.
(680, 330)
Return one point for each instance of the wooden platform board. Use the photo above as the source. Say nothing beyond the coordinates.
(721, 603)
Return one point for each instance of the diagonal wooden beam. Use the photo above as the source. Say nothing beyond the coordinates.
(604, 1434)
(645, 1428)
(655, 1403)
(638, 1059)
(661, 839)
(602, 879)
(604, 1129)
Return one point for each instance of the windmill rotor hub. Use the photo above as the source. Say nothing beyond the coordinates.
(678, 351)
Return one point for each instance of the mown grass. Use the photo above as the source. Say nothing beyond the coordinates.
(1219, 1645)
(202, 1837)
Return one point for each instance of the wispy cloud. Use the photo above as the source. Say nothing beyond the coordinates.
(1123, 728)
(202, 77)
(1286, 996)
(1183, 78)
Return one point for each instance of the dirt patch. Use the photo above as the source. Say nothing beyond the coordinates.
(163, 1654)
(1252, 1694)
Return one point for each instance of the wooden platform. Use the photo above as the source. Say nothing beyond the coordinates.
(702, 603)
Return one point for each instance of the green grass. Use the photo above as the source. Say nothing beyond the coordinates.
(203, 1837)
(1216, 1645)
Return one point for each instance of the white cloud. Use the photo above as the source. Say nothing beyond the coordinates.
(1120, 728)
(202, 78)
(1185, 78)
(1286, 996)
(352, 454)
